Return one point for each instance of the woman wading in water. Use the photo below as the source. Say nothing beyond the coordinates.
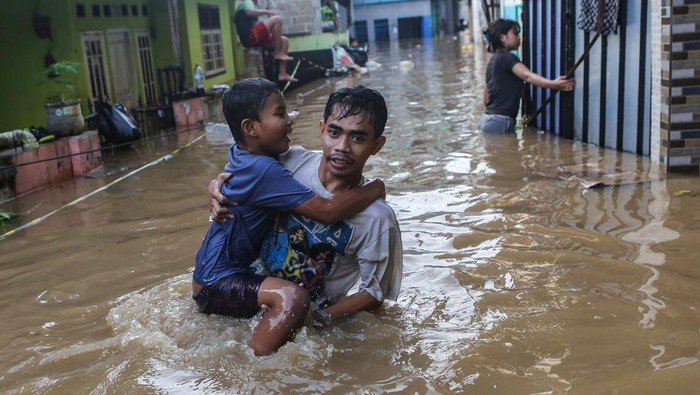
(506, 76)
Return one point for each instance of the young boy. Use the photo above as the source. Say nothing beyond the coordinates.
(223, 280)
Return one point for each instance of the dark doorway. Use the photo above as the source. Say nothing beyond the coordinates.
(381, 30)
(361, 31)
(410, 27)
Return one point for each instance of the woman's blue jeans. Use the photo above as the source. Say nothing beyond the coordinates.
(494, 123)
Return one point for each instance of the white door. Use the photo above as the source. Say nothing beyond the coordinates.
(122, 70)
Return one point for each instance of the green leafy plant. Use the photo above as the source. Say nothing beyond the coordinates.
(6, 216)
(61, 78)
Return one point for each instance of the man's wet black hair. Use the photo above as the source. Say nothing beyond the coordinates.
(494, 31)
(246, 100)
(358, 100)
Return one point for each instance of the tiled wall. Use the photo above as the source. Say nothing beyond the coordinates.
(655, 139)
(680, 85)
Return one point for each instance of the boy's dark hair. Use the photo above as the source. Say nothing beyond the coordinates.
(494, 31)
(246, 100)
(346, 102)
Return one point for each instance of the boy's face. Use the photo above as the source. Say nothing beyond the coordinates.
(347, 144)
(274, 126)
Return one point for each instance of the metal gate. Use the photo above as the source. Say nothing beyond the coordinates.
(611, 105)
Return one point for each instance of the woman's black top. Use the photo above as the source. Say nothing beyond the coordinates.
(505, 88)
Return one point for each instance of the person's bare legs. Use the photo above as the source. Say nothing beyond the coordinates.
(274, 26)
(284, 46)
(283, 75)
(288, 304)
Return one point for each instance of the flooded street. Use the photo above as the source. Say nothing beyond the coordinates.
(517, 279)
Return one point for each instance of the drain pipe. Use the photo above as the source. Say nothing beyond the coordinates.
(174, 16)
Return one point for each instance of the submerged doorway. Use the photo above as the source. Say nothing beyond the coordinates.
(410, 27)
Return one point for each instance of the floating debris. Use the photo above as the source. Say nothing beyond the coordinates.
(598, 174)
(406, 65)
(684, 192)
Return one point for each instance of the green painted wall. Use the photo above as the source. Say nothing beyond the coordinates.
(192, 43)
(238, 49)
(22, 60)
(163, 52)
(25, 91)
(130, 22)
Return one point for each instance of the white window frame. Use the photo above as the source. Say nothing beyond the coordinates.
(213, 52)
(213, 60)
(148, 81)
(96, 65)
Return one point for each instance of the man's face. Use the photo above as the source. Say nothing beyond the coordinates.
(347, 144)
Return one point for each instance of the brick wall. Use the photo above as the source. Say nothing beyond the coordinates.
(680, 85)
(299, 16)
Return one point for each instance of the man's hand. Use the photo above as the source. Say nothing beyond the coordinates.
(322, 318)
(216, 199)
(347, 306)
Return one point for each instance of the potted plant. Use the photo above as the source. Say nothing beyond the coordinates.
(63, 113)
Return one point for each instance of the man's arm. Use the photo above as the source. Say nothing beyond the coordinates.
(216, 199)
(380, 264)
(353, 304)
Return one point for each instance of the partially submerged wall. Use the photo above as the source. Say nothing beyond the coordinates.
(680, 86)
(52, 163)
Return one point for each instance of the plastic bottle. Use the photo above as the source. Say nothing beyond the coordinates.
(198, 79)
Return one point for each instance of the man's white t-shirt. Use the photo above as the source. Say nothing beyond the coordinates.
(371, 240)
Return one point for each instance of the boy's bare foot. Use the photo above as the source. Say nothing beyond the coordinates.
(284, 58)
(287, 77)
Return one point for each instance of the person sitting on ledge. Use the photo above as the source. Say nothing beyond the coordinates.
(265, 33)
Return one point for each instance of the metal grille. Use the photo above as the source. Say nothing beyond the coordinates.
(149, 84)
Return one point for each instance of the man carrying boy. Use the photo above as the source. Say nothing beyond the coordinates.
(368, 246)
(223, 282)
(265, 33)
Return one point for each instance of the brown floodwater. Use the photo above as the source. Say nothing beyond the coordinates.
(517, 279)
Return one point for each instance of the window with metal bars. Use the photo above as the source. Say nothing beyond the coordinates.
(212, 40)
(146, 60)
